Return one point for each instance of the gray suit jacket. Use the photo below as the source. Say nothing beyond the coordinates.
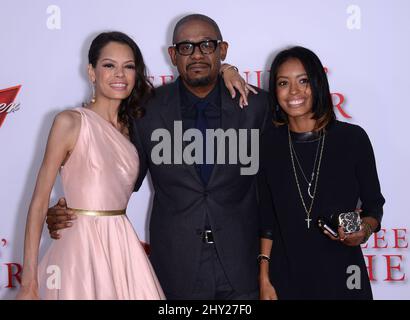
(181, 200)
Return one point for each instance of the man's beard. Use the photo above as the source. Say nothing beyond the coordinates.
(199, 82)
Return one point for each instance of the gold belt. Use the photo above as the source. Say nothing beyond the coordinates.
(99, 213)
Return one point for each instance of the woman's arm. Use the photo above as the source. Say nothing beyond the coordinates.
(61, 140)
(266, 289)
(233, 81)
(370, 194)
(267, 227)
(369, 185)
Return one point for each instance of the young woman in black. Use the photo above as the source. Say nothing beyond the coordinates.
(313, 166)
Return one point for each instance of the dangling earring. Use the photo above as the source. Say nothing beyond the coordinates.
(277, 108)
(93, 96)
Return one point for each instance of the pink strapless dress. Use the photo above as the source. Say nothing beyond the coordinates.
(99, 257)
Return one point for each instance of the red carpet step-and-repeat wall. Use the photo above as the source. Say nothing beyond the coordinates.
(363, 44)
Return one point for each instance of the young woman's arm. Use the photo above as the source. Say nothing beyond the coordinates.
(233, 81)
(266, 289)
(61, 140)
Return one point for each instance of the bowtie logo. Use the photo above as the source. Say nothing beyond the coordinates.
(7, 104)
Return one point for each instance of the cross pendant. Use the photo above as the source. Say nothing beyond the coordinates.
(308, 222)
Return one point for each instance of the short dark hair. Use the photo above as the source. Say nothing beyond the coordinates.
(131, 106)
(196, 17)
(323, 110)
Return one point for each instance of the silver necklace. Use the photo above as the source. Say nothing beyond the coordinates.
(309, 183)
(308, 212)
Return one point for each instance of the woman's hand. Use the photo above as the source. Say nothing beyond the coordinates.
(267, 291)
(356, 238)
(352, 239)
(28, 293)
(233, 81)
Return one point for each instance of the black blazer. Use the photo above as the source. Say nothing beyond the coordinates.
(181, 200)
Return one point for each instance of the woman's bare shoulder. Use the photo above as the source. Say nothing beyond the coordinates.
(66, 127)
(68, 119)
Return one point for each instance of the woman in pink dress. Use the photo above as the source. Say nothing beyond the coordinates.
(100, 257)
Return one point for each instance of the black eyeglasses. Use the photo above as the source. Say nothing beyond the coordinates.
(186, 48)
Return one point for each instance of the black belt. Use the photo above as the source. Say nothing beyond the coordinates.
(207, 236)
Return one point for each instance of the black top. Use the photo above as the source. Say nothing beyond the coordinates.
(306, 264)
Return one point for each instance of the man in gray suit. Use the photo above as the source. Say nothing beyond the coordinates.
(204, 220)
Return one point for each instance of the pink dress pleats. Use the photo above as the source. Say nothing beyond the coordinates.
(99, 257)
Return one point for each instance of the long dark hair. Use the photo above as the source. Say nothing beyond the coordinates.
(131, 106)
(322, 108)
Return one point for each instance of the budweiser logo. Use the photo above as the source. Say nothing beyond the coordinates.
(7, 104)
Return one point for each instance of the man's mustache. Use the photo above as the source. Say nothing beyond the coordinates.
(198, 64)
